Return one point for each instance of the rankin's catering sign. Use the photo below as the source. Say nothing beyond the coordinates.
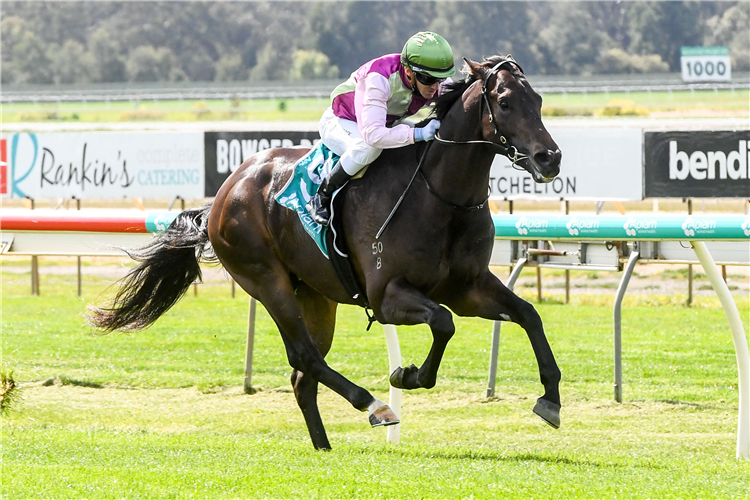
(103, 165)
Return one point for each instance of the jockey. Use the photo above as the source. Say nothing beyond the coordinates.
(366, 110)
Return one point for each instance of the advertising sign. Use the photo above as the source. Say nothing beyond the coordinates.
(705, 64)
(105, 165)
(697, 164)
(4, 180)
(225, 151)
(597, 164)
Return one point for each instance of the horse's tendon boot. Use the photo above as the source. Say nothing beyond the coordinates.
(383, 416)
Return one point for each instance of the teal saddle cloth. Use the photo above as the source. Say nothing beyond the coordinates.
(309, 172)
(302, 185)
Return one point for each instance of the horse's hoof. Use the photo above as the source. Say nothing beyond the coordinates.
(398, 375)
(548, 411)
(383, 416)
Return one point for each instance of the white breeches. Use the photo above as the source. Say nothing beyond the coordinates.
(343, 138)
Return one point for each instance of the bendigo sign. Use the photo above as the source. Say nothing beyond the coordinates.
(697, 164)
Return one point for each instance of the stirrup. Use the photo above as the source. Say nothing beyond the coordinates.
(318, 210)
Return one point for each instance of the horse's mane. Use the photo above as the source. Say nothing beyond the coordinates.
(456, 88)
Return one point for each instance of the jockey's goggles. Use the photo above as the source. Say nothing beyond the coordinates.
(427, 79)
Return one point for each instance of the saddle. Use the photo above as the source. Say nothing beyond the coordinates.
(308, 173)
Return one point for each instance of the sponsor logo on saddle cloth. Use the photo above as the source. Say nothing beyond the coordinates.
(302, 185)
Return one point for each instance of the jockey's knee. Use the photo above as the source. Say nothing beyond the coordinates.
(358, 157)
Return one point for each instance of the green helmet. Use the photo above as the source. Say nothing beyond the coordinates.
(428, 52)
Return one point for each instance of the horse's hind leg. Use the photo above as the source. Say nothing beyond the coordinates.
(319, 314)
(306, 391)
(276, 292)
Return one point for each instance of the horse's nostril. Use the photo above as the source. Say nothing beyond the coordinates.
(556, 157)
(543, 158)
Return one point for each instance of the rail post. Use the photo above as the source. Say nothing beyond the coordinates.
(496, 331)
(740, 345)
(247, 384)
(617, 315)
(394, 361)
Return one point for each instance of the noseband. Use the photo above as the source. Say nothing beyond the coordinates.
(504, 148)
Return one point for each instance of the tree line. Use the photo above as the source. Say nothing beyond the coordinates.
(107, 42)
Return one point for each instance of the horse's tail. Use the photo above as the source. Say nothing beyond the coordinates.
(169, 264)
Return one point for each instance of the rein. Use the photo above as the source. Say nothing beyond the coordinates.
(431, 190)
(403, 195)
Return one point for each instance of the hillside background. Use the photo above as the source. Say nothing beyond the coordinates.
(110, 42)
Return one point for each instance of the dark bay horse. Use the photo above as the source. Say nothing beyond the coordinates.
(433, 256)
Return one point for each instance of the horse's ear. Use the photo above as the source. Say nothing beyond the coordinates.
(475, 68)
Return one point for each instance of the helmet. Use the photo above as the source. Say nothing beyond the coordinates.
(428, 52)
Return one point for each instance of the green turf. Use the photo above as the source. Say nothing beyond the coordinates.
(161, 414)
(734, 102)
(723, 100)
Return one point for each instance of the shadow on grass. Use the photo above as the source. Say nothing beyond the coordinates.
(63, 380)
(700, 406)
(510, 458)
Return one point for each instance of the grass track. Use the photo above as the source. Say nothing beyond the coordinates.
(160, 413)
(704, 103)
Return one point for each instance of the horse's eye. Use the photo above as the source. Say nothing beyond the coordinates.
(504, 104)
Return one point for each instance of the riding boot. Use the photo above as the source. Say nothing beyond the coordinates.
(319, 206)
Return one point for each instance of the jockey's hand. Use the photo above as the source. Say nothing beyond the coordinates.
(426, 133)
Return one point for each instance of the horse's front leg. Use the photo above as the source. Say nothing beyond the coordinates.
(488, 298)
(402, 304)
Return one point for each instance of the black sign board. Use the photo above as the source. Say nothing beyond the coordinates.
(697, 164)
(225, 151)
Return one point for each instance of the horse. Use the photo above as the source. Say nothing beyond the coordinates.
(432, 257)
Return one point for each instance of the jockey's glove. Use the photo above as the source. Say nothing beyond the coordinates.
(426, 133)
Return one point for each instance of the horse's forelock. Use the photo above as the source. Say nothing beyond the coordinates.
(455, 90)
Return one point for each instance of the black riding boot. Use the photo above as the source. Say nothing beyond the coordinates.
(319, 205)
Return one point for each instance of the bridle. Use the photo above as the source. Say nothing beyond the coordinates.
(504, 147)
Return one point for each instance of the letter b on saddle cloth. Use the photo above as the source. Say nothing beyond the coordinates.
(302, 185)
